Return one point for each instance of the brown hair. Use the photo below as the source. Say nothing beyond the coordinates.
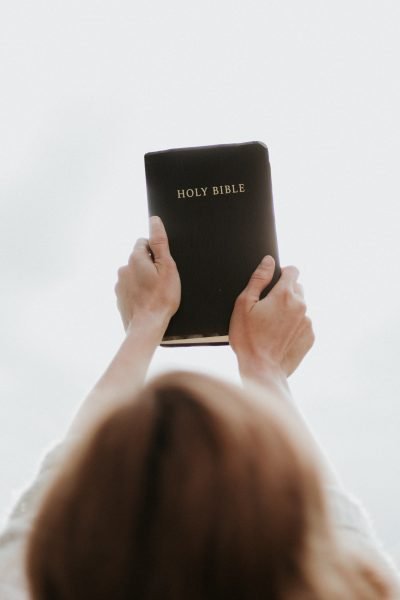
(190, 492)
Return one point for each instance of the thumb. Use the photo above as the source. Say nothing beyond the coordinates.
(261, 277)
(158, 240)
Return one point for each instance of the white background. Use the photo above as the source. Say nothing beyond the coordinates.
(87, 87)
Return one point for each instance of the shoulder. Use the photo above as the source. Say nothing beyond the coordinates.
(355, 529)
(13, 538)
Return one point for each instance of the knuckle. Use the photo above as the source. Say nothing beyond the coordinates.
(122, 272)
(291, 301)
(307, 323)
(292, 271)
(285, 294)
(135, 254)
(169, 261)
(311, 333)
(241, 299)
(287, 272)
(159, 240)
(260, 273)
(301, 307)
(308, 331)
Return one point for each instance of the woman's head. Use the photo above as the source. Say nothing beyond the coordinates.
(195, 490)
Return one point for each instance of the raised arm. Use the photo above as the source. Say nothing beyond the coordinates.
(271, 337)
(148, 293)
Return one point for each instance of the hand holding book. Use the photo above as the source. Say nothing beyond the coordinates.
(149, 285)
(272, 333)
(268, 334)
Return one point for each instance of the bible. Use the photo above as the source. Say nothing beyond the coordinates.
(217, 207)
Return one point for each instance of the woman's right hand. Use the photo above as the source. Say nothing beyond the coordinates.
(272, 334)
(149, 287)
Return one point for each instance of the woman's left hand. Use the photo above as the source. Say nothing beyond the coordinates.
(149, 286)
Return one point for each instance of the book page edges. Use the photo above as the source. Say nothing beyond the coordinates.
(214, 339)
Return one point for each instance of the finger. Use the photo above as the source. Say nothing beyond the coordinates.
(120, 276)
(141, 244)
(298, 289)
(158, 241)
(141, 247)
(306, 332)
(140, 250)
(261, 277)
(289, 275)
(122, 271)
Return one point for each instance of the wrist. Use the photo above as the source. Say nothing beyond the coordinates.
(265, 369)
(152, 324)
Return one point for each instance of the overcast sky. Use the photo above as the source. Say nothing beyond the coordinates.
(87, 87)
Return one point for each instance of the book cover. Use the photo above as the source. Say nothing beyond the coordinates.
(217, 207)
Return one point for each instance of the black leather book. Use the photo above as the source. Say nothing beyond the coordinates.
(216, 205)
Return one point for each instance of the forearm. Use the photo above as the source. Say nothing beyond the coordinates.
(125, 374)
(273, 382)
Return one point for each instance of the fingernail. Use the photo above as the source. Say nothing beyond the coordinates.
(267, 261)
(155, 219)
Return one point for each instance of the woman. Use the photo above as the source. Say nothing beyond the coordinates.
(189, 487)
